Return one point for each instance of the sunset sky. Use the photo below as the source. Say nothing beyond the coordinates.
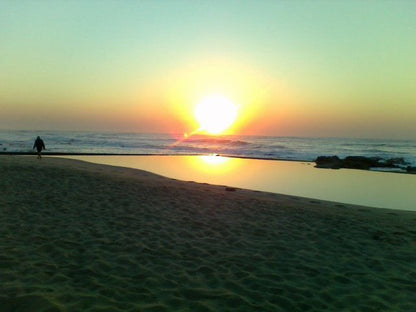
(293, 68)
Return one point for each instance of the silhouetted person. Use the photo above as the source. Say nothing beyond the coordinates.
(39, 144)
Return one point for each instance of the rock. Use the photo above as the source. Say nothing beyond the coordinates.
(332, 162)
(364, 163)
(411, 169)
(394, 162)
(361, 162)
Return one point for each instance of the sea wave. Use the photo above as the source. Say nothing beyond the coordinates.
(239, 146)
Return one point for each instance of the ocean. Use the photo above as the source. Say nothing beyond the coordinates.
(260, 147)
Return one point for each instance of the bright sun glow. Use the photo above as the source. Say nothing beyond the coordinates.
(215, 114)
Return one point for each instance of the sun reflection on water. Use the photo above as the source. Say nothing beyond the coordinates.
(213, 165)
(214, 159)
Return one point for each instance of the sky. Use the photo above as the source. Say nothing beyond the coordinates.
(293, 68)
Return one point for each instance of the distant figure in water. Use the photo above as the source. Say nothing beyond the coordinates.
(40, 145)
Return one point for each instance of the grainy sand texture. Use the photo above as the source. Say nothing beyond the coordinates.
(76, 236)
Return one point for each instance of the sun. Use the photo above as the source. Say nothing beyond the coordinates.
(215, 114)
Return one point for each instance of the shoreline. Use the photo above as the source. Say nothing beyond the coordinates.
(373, 169)
(126, 171)
(145, 154)
(76, 236)
(360, 187)
(385, 188)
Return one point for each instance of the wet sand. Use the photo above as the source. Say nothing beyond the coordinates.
(76, 236)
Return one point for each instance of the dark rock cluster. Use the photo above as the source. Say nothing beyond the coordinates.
(362, 162)
(410, 169)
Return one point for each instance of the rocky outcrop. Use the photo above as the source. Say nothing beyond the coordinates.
(410, 169)
(362, 162)
(329, 162)
(399, 161)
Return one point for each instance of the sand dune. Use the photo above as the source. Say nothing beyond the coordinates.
(76, 236)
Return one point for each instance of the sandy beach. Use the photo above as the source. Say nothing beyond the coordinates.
(76, 236)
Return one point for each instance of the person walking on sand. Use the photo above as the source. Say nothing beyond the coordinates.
(39, 144)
